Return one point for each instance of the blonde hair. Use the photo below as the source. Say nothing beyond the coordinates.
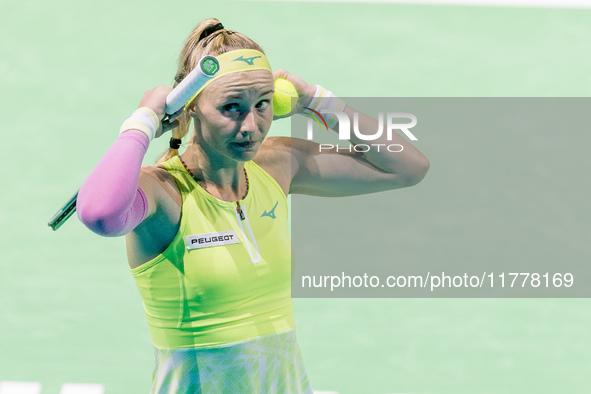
(216, 43)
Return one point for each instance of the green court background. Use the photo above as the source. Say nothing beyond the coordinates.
(70, 72)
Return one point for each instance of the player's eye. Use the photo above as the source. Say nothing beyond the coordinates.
(233, 107)
(262, 104)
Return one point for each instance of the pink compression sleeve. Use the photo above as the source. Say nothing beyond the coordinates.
(110, 202)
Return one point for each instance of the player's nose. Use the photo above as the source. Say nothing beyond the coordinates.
(248, 124)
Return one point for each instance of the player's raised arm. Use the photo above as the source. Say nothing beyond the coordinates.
(110, 202)
(328, 171)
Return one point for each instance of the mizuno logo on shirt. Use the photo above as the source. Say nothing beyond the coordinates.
(248, 60)
(271, 213)
(200, 241)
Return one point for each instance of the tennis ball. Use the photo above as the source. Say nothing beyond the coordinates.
(282, 98)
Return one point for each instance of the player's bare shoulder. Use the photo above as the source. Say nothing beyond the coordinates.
(158, 181)
(274, 156)
(287, 153)
(272, 150)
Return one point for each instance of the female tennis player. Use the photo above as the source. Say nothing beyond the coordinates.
(206, 231)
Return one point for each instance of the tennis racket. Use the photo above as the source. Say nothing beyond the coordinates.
(207, 69)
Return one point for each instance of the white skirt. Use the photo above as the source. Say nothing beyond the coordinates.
(266, 364)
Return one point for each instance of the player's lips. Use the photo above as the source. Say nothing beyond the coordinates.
(245, 144)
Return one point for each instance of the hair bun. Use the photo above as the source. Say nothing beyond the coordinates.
(211, 29)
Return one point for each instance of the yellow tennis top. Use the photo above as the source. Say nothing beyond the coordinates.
(222, 279)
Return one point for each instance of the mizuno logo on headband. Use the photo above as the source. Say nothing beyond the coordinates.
(228, 63)
(248, 60)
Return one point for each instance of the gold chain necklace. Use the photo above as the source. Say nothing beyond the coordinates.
(238, 208)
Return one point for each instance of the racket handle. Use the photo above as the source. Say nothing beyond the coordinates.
(206, 70)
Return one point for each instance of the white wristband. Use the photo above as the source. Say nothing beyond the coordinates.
(144, 120)
(326, 100)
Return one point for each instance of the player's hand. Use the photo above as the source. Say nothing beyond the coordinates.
(155, 99)
(304, 89)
